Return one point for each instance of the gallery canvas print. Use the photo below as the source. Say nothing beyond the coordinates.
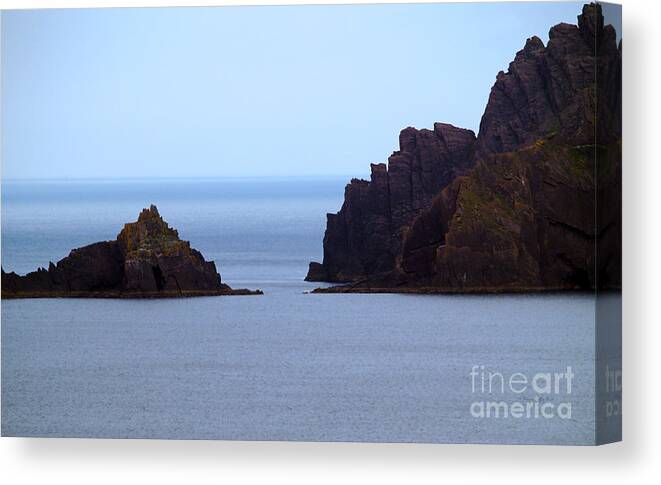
(362, 223)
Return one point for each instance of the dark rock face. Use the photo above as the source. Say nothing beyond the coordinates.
(146, 260)
(155, 259)
(364, 238)
(545, 187)
(522, 221)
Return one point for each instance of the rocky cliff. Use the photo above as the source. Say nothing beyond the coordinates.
(540, 208)
(146, 260)
(364, 238)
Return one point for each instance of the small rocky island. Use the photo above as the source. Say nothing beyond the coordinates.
(147, 260)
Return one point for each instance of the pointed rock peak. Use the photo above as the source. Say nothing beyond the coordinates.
(591, 22)
(533, 45)
(378, 172)
(378, 167)
(407, 139)
(150, 214)
(150, 228)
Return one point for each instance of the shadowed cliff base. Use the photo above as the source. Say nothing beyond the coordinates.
(533, 203)
(431, 290)
(147, 260)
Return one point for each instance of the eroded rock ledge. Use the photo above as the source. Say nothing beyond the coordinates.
(147, 260)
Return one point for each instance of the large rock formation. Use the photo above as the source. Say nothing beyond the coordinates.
(541, 207)
(364, 238)
(146, 260)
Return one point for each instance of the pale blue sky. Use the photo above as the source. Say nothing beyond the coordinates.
(246, 91)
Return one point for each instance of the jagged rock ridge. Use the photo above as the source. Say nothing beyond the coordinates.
(146, 260)
(364, 238)
(541, 206)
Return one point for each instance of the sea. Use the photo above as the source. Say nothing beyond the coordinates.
(287, 365)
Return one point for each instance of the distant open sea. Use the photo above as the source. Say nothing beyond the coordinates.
(284, 366)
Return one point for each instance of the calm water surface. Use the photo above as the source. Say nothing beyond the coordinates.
(283, 366)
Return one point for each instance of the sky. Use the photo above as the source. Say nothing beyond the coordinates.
(246, 91)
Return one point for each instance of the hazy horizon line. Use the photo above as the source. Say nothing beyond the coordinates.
(182, 178)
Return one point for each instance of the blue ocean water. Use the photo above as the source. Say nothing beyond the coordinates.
(287, 365)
